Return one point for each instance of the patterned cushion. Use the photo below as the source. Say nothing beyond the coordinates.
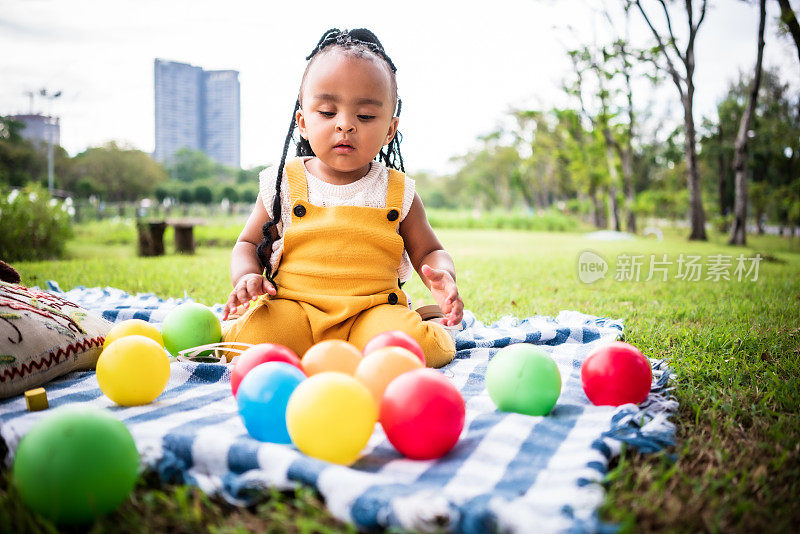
(43, 336)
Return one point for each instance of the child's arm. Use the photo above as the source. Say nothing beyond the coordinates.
(248, 282)
(432, 262)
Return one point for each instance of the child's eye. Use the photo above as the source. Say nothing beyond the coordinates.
(366, 117)
(327, 114)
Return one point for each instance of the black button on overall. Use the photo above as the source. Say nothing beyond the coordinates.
(299, 210)
(393, 298)
(392, 215)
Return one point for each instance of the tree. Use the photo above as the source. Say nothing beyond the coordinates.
(116, 173)
(487, 174)
(23, 161)
(684, 82)
(202, 194)
(188, 165)
(773, 151)
(585, 60)
(616, 118)
(230, 193)
(739, 225)
(583, 154)
(541, 177)
(789, 19)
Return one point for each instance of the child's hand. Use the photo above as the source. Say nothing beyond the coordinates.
(247, 288)
(445, 293)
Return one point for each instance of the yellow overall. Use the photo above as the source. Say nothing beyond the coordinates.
(338, 278)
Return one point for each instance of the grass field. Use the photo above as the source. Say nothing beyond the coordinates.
(733, 345)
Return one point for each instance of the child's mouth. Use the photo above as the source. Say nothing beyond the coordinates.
(343, 148)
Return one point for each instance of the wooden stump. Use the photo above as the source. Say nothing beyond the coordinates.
(184, 238)
(151, 238)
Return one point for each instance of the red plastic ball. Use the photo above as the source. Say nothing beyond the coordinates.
(615, 374)
(394, 338)
(258, 354)
(422, 414)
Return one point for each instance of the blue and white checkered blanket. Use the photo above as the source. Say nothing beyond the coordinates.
(508, 472)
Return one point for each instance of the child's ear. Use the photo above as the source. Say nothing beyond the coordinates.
(301, 123)
(392, 130)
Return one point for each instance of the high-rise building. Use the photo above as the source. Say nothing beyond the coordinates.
(196, 109)
(221, 116)
(39, 128)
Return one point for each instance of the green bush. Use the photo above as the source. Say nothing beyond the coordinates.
(33, 226)
(660, 203)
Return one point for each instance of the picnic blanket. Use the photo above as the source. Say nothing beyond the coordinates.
(508, 472)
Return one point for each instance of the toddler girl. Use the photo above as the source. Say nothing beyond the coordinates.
(336, 231)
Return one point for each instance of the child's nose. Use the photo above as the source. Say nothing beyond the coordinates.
(345, 125)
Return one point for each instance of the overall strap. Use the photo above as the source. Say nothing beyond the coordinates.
(396, 189)
(298, 185)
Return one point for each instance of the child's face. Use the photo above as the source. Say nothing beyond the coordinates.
(347, 113)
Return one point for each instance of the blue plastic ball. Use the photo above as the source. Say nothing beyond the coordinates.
(262, 397)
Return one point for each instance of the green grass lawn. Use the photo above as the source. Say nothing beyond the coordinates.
(733, 345)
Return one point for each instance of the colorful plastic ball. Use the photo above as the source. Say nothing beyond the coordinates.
(383, 365)
(75, 465)
(133, 370)
(190, 325)
(331, 355)
(263, 395)
(422, 414)
(258, 354)
(133, 327)
(394, 338)
(522, 378)
(331, 416)
(615, 374)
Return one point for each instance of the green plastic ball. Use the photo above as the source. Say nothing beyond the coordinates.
(522, 378)
(190, 325)
(75, 465)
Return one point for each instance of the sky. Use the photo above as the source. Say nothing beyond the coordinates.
(461, 65)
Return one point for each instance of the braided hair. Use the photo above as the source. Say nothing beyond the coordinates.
(360, 43)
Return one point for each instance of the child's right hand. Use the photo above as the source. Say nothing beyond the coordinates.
(247, 288)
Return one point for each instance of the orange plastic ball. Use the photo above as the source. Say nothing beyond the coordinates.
(331, 355)
(381, 366)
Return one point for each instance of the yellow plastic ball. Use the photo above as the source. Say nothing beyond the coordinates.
(331, 416)
(133, 327)
(133, 370)
(381, 366)
(331, 355)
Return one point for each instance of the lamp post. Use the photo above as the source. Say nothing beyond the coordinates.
(51, 123)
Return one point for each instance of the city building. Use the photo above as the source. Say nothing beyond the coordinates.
(196, 109)
(39, 128)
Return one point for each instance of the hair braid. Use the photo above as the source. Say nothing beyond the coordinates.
(270, 228)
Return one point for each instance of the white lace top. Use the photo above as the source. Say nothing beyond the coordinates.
(369, 191)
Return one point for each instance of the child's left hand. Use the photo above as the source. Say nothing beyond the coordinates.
(445, 293)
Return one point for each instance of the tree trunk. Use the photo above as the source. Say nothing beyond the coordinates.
(612, 188)
(697, 215)
(627, 178)
(527, 194)
(598, 208)
(626, 153)
(722, 177)
(790, 19)
(739, 224)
